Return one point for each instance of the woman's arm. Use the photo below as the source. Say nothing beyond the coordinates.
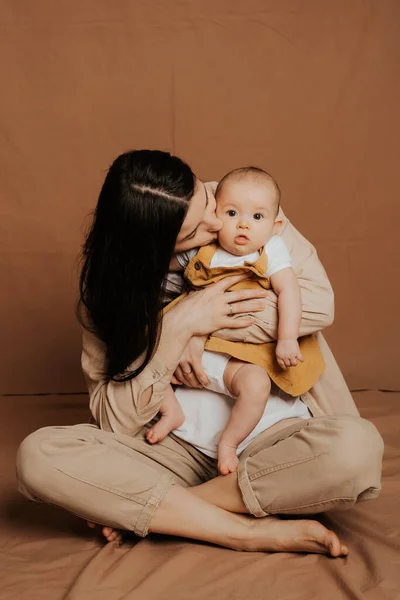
(124, 407)
(316, 295)
(175, 265)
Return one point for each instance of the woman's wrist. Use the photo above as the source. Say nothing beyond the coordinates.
(176, 328)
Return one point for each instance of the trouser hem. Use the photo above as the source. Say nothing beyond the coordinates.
(248, 495)
(141, 527)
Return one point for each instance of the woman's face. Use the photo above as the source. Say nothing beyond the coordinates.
(200, 225)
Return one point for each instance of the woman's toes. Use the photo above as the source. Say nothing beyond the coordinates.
(107, 531)
(334, 546)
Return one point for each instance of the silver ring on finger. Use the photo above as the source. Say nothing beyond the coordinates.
(230, 310)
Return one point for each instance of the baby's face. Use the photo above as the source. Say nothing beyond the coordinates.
(247, 210)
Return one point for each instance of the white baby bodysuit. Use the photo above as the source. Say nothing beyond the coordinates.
(207, 414)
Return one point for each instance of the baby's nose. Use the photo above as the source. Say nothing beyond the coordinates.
(242, 224)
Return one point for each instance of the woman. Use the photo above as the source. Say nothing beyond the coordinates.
(151, 205)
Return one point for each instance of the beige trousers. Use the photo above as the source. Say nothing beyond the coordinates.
(306, 467)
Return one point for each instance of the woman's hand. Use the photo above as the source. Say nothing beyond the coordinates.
(190, 370)
(205, 311)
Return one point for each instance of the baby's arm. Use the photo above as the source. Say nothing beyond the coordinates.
(286, 287)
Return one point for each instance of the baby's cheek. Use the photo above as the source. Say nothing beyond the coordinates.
(225, 239)
(224, 234)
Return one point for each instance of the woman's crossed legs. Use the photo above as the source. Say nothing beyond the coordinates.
(171, 488)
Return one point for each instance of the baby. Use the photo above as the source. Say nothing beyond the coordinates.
(247, 205)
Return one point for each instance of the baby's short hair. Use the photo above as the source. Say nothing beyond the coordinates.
(254, 174)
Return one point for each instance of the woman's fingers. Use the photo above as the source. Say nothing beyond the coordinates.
(238, 323)
(246, 301)
(227, 282)
(208, 309)
(246, 306)
(192, 380)
(179, 375)
(187, 378)
(238, 295)
(199, 372)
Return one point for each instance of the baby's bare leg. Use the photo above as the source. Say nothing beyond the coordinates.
(251, 386)
(171, 417)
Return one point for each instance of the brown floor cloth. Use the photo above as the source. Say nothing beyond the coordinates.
(47, 554)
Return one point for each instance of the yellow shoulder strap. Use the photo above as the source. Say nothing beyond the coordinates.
(261, 264)
(206, 253)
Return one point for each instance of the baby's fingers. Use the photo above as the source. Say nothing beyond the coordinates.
(281, 363)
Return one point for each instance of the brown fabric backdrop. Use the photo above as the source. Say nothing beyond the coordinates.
(306, 89)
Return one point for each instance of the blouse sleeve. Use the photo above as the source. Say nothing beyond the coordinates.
(184, 258)
(118, 406)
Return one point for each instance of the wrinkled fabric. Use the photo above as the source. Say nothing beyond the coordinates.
(50, 554)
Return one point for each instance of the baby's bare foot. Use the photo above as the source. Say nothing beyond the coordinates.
(109, 533)
(164, 426)
(227, 460)
(274, 534)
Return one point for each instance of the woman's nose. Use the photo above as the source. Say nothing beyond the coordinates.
(213, 224)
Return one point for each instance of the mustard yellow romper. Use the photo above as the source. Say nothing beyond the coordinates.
(294, 380)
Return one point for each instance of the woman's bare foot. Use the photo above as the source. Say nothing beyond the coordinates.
(167, 423)
(276, 535)
(228, 462)
(109, 533)
(271, 534)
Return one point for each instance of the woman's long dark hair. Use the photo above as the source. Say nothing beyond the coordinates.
(126, 256)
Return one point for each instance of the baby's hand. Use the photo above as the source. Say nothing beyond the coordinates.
(288, 353)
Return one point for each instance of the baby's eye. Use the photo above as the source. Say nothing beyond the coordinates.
(232, 213)
(258, 216)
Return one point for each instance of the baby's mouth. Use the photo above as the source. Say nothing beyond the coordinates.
(241, 239)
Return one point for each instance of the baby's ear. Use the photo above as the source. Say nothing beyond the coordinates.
(278, 224)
